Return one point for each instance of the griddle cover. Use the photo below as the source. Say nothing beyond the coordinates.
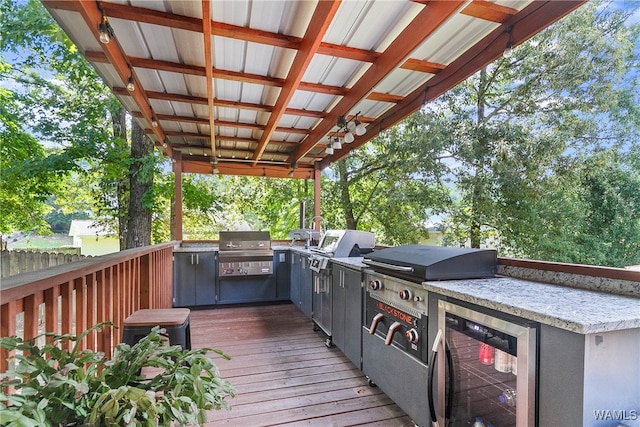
(437, 262)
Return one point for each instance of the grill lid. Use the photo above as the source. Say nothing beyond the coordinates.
(245, 240)
(423, 262)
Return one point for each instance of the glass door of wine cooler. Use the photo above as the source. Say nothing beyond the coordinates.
(489, 365)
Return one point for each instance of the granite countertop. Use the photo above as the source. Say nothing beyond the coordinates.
(354, 262)
(576, 310)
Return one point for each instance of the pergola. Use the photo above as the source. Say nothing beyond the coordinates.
(283, 88)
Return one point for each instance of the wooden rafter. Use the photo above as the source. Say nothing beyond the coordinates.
(263, 107)
(425, 23)
(523, 25)
(322, 17)
(208, 61)
(116, 56)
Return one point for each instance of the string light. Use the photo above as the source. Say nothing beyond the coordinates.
(104, 28)
(508, 50)
(344, 125)
(131, 86)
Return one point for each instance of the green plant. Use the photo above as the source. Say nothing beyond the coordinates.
(149, 383)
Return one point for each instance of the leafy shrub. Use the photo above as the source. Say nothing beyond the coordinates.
(149, 383)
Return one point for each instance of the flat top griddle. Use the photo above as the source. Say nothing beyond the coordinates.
(422, 262)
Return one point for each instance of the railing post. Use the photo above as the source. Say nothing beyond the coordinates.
(8, 313)
(145, 282)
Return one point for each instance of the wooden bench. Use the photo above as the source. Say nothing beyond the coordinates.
(174, 321)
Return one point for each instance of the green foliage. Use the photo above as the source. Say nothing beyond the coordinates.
(56, 386)
(212, 203)
(526, 133)
(22, 193)
(389, 185)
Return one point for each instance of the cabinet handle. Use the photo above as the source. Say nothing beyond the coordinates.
(197, 258)
(191, 259)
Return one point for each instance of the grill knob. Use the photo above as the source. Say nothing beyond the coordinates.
(375, 285)
(406, 294)
(412, 336)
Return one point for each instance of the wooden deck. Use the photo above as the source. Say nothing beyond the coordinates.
(284, 374)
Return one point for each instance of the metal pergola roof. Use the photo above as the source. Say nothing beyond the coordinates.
(259, 86)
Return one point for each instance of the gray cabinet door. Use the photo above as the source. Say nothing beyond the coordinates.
(338, 307)
(281, 267)
(206, 272)
(184, 280)
(347, 312)
(306, 286)
(353, 291)
(294, 284)
(194, 281)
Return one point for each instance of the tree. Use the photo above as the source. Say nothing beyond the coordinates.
(60, 99)
(390, 184)
(138, 229)
(522, 119)
(23, 210)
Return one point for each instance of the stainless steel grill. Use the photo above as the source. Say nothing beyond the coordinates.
(245, 253)
(395, 342)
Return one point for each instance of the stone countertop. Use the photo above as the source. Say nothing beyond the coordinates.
(576, 310)
(213, 247)
(204, 247)
(354, 262)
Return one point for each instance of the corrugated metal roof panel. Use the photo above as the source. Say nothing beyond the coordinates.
(255, 60)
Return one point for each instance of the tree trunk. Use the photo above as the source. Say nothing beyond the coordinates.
(345, 196)
(140, 182)
(480, 145)
(119, 123)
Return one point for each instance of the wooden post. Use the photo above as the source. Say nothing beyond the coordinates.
(317, 196)
(146, 297)
(177, 170)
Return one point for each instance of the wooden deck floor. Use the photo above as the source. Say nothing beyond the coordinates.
(284, 374)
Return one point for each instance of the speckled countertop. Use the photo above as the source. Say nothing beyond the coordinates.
(577, 310)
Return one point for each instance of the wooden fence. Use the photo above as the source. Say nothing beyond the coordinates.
(23, 261)
(72, 297)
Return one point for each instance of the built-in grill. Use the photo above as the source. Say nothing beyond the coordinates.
(395, 342)
(341, 244)
(333, 244)
(245, 253)
(418, 263)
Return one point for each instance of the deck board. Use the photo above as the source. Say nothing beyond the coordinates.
(284, 374)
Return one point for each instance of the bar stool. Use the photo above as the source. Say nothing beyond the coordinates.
(175, 321)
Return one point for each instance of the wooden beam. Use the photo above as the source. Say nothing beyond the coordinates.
(489, 11)
(118, 59)
(425, 23)
(524, 25)
(247, 169)
(322, 18)
(208, 65)
(188, 99)
(177, 197)
(166, 19)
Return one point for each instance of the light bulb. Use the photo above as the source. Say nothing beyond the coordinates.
(348, 138)
(336, 144)
(131, 84)
(105, 38)
(360, 128)
(328, 150)
(508, 50)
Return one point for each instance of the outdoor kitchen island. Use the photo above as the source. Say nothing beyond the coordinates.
(588, 367)
(588, 339)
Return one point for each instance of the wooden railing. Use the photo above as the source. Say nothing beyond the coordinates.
(72, 297)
